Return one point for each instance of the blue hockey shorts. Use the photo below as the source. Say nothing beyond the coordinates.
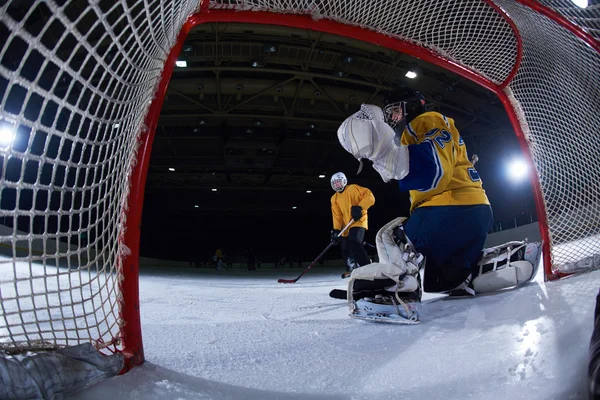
(450, 236)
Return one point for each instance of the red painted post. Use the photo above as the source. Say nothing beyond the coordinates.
(131, 332)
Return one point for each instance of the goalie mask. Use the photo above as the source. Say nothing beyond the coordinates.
(339, 182)
(366, 135)
(401, 106)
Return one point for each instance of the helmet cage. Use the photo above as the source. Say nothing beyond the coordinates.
(395, 113)
(339, 182)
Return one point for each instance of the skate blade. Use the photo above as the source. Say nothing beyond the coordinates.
(396, 319)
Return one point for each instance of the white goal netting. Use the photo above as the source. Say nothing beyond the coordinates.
(77, 78)
(76, 81)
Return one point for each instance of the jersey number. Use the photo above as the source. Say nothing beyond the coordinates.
(443, 137)
(474, 175)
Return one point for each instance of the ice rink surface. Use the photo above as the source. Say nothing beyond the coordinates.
(242, 335)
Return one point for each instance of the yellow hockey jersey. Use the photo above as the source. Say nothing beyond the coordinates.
(440, 173)
(341, 204)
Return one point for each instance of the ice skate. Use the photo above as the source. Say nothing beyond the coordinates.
(350, 264)
(383, 308)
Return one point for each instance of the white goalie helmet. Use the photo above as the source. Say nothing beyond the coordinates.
(365, 134)
(339, 182)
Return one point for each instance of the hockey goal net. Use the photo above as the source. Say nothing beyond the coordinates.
(82, 84)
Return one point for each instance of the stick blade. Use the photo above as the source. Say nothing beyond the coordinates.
(338, 294)
(286, 280)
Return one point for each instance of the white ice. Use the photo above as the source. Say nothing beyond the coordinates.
(242, 335)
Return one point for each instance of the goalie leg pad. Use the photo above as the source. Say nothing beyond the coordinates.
(518, 272)
(392, 249)
(390, 290)
(374, 271)
(507, 265)
(407, 288)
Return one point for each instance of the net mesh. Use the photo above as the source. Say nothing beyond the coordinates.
(558, 87)
(76, 80)
(470, 33)
(587, 18)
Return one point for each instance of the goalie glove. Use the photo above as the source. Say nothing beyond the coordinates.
(365, 134)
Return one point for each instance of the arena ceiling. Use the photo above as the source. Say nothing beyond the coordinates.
(256, 109)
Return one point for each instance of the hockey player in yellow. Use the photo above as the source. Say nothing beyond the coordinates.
(350, 202)
(450, 213)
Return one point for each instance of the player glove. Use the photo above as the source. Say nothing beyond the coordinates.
(356, 212)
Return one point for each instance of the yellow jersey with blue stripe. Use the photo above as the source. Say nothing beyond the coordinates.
(440, 173)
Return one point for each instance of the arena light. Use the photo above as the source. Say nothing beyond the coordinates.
(214, 190)
(7, 134)
(517, 170)
(321, 176)
(269, 48)
(581, 3)
(171, 169)
(411, 75)
(196, 206)
(294, 207)
(309, 191)
(181, 63)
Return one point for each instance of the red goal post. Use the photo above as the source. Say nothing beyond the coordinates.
(97, 72)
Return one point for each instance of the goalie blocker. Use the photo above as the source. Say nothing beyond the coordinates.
(390, 290)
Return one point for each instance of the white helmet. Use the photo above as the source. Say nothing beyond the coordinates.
(339, 182)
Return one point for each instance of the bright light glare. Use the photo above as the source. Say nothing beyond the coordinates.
(181, 64)
(6, 135)
(581, 3)
(294, 207)
(411, 75)
(517, 170)
(196, 206)
(309, 191)
(214, 190)
(172, 169)
(321, 176)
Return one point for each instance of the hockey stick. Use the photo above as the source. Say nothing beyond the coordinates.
(316, 259)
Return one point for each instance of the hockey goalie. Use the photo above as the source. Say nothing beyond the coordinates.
(449, 218)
